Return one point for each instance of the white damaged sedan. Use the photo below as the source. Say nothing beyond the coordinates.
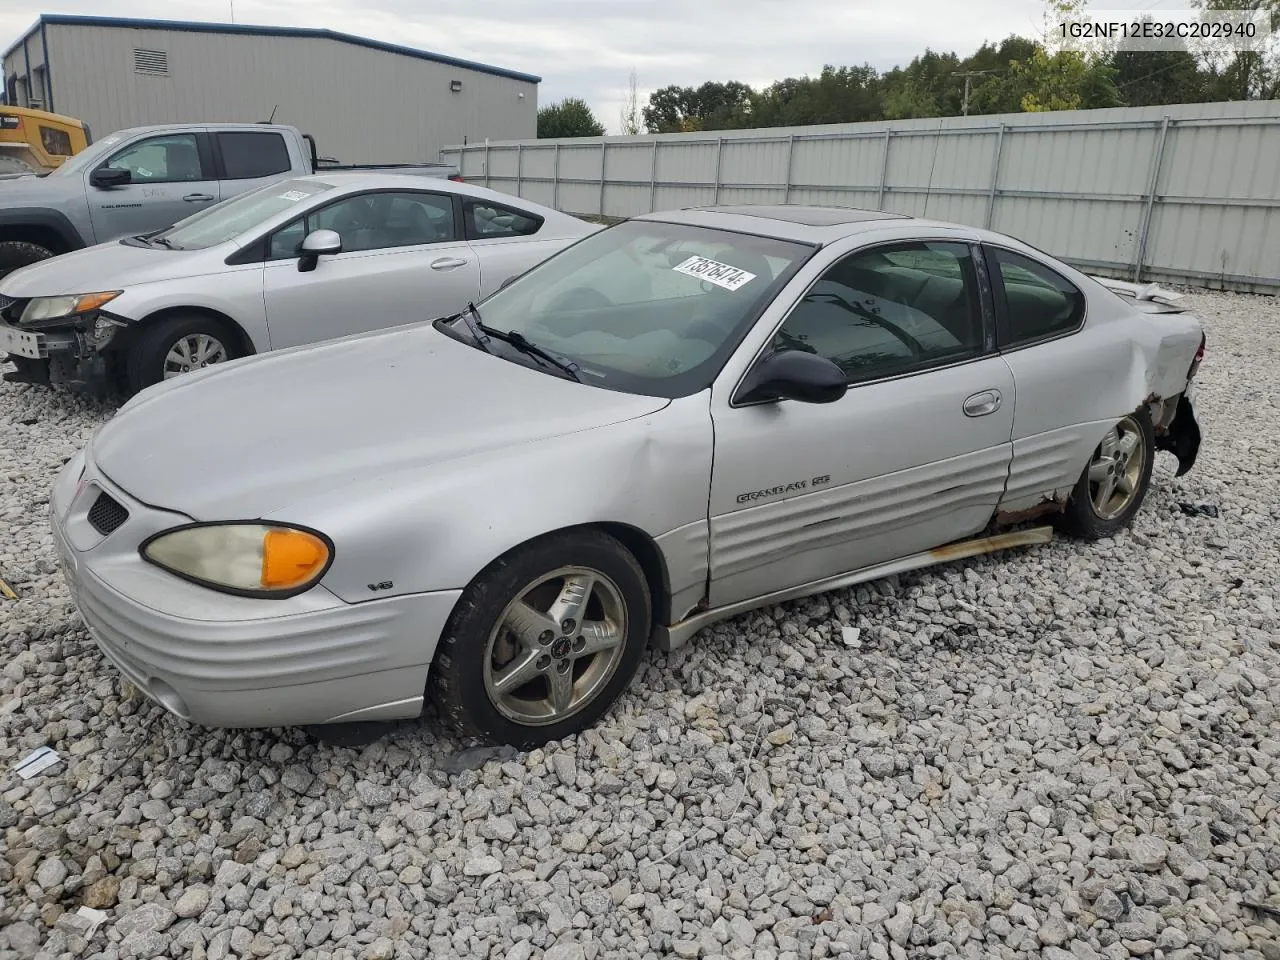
(679, 418)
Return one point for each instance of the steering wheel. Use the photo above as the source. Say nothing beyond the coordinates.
(911, 343)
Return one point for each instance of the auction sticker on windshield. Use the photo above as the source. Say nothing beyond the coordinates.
(713, 271)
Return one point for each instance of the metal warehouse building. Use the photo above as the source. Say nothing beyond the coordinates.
(363, 100)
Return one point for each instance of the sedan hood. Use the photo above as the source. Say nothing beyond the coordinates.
(247, 439)
(105, 266)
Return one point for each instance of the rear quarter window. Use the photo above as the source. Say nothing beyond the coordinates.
(1038, 302)
(486, 221)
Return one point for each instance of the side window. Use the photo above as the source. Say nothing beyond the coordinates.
(286, 242)
(373, 221)
(1038, 301)
(487, 220)
(891, 310)
(173, 158)
(56, 142)
(247, 155)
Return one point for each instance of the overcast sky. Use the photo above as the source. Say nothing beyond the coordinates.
(587, 48)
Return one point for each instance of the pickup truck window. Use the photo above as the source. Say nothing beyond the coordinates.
(173, 158)
(248, 155)
(221, 222)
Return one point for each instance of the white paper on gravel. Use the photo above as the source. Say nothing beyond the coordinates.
(41, 759)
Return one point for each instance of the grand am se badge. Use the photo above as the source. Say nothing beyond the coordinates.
(785, 488)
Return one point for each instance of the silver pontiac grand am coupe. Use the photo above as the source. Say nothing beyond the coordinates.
(673, 420)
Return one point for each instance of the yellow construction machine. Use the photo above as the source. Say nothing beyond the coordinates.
(36, 142)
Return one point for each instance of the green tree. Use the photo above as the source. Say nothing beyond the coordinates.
(1246, 74)
(1156, 77)
(712, 106)
(927, 87)
(570, 117)
(836, 95)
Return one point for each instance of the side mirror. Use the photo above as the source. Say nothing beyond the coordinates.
(110, 177)
(794, 375)
(317, 244)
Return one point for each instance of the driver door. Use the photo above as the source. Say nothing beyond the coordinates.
(402, 261)
(915, 454)
(171, 178)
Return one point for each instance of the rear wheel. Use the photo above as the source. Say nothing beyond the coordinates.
(544, 641)
(1113, 486)
(20, 253)
(176, 345)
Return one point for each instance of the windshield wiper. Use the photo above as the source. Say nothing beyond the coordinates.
(482, 333)
(168, 245)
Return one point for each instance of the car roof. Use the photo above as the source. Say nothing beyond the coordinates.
(819, 225)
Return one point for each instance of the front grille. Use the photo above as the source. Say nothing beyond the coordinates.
(106, 515)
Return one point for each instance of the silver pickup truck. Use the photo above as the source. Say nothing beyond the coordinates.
(143, 179)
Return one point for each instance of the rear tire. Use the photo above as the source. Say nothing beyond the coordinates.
(1114, 483)
(176, 345)
(20, 253)
(525, 659)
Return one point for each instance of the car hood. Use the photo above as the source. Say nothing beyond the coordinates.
(105, 266)
(248, 439)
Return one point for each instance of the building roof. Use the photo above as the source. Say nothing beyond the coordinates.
(243, 29)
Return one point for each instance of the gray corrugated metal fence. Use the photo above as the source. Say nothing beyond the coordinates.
(1186, 193)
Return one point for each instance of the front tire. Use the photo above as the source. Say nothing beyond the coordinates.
(1114, 485)
(15, 254)
(544, 641)
(178, 344)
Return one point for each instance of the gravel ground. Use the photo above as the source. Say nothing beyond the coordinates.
(1067, 752)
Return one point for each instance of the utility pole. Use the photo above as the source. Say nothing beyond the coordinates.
(968, 77)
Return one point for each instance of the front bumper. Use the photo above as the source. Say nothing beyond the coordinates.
(64, 354)
(224, 661)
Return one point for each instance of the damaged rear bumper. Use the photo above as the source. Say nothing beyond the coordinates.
(1182, 436)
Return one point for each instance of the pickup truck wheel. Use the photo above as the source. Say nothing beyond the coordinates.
(1113, 486)
(19, 253)
(178, 345)
(544, 641)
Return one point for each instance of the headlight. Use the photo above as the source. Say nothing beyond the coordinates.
(250, 559)
(50, 308)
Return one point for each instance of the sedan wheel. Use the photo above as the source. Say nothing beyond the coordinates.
(1112, 487)
(555, 646)
(1115, 474)
(193, 352)
(544, 640)
(180, 343)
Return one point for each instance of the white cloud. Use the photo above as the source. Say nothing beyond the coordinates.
(587, 48)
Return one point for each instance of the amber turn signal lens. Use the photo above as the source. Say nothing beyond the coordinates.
(290, 558)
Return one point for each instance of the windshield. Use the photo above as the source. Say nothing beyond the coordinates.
(646, 307)
(230, 218)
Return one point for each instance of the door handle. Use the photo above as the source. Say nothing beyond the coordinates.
(197, 197)
(447, 263)
(982, 404)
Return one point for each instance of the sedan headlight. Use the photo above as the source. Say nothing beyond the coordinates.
(51, 308)
(249, 558)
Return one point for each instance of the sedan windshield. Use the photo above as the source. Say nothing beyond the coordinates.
(645, 307)
(230, 218)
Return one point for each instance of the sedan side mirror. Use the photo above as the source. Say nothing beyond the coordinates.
(317, 244)
(110, 177)
(794, 375)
